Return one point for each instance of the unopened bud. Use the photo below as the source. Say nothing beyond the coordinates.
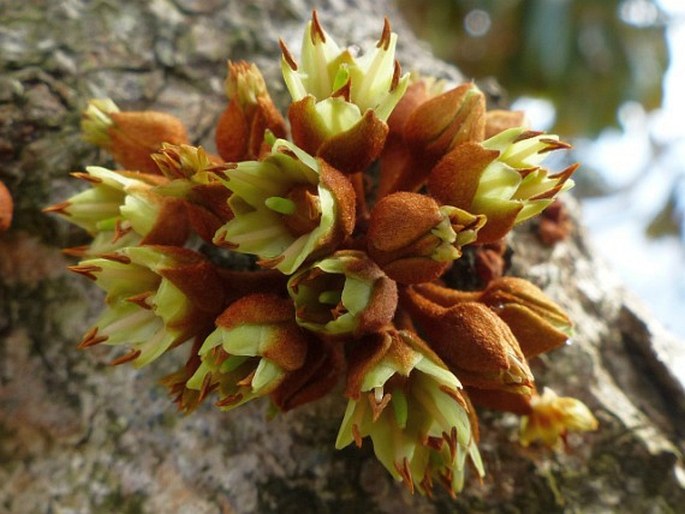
(131, 136)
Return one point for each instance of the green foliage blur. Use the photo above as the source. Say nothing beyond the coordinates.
(587, 56)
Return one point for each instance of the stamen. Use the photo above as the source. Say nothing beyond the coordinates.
(427, 484)
(141, 300)
(403, 470)
(344, 91)
(378, 404)
(206, 387)
(220, 240)
(356, 435)
(330, 297)
(270, 263)
(396, 72)
(247, 381)
(526, 134)
(120, 230)
(76, 251)
(280, 205)
(338, 311)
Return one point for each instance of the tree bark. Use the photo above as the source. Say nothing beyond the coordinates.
(79, 436)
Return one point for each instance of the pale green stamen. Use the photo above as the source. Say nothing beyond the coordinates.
(330, 297)
(280, 205)
(107, 224)
(232, 363)
(341, 77)
(400, 407)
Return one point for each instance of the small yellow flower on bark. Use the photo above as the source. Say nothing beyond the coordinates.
(552, 417)
(123, 209)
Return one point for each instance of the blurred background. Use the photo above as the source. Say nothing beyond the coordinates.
(609, 77)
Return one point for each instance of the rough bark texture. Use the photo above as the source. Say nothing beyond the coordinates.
(77, 436)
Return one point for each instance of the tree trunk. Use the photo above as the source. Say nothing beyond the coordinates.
(79, 436)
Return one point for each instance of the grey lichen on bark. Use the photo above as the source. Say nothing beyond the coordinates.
(79, 436)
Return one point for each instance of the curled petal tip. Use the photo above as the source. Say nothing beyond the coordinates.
(317, 29)
(287, 56)
(396, 72)
(116, 257)
(553, 144)
(91, 338)
(76, 251)
(127, 357)
(87, 270)
(229, 400)
(87, 177)
(384, 41)
(59, 208)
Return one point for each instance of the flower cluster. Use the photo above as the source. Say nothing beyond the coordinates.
(348, 217)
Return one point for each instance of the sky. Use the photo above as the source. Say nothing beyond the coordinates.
(644, 162)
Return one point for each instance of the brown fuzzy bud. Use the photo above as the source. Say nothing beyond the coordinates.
(318, 375)
(249, 114)
(445, 121)
(506, 401)
(539, 324)
(477, 345)
(497, 121)
(414, 239)
(555, 224)
(131, 137)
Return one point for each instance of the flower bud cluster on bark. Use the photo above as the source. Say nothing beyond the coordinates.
(344, 275)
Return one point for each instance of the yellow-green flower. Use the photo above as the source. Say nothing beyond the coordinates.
(340, 102)
(157, 297)
(501, 178)
(344, 294)
(288, 208)
(252, 350)
(553, 417)
(124, 209)
(403, 397)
